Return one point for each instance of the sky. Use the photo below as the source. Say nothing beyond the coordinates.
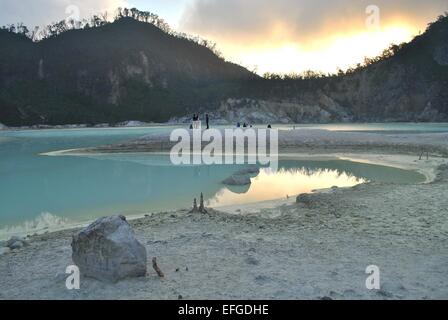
(282, 36)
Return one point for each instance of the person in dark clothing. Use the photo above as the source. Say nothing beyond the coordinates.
(269, 126)
(207, 121)
(244, 125)
(196, 122)
(238, 125)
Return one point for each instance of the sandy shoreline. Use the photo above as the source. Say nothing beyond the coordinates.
(281, 249)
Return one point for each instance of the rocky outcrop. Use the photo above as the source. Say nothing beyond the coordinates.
(242, 177)
(315, 109)
(305, 198)
(107, 250)
(16, 243)
(237, 180)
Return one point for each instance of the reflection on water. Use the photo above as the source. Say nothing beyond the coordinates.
(391, 127)
(83, 188)
(270, 185)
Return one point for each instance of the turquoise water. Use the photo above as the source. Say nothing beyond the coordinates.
(382, 128)
(36, 191)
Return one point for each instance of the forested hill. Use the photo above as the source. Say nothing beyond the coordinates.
(124, 70)
(132, 69)
(408, 82)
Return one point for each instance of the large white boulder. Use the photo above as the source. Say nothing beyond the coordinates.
(107, 250)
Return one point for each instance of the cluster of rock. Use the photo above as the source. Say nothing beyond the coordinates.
(108, 250)
(14, 243)
(316, 109)
(305, 198)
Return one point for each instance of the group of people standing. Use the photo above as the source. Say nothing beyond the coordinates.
(245, 125)
(197, 122)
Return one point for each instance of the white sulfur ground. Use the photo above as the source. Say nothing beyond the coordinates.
(310, 140)
(279, 249)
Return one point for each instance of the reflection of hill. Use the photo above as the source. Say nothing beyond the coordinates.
(80, 186)
(365, 171)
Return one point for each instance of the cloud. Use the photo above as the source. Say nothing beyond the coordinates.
(275, 35)
(257, 21)
(32, 12)
(296, 35)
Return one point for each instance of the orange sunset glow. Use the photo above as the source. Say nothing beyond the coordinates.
(296, 36)
(325, 57)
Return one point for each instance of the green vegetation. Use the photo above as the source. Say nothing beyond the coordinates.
(98, 71)
(137, 68)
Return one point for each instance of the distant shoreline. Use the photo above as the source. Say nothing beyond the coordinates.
(126, 124)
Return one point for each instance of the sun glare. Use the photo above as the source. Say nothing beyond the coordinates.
(340, 51)
(284, 183)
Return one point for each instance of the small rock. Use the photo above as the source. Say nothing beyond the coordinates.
(16, 243)
(305, 198)
(156, 242)
(385, 294)
(179, 297)
(261, 279)
(252, 261)
(4, 250)
(60, 277)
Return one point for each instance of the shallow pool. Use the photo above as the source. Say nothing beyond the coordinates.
(38, 191)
